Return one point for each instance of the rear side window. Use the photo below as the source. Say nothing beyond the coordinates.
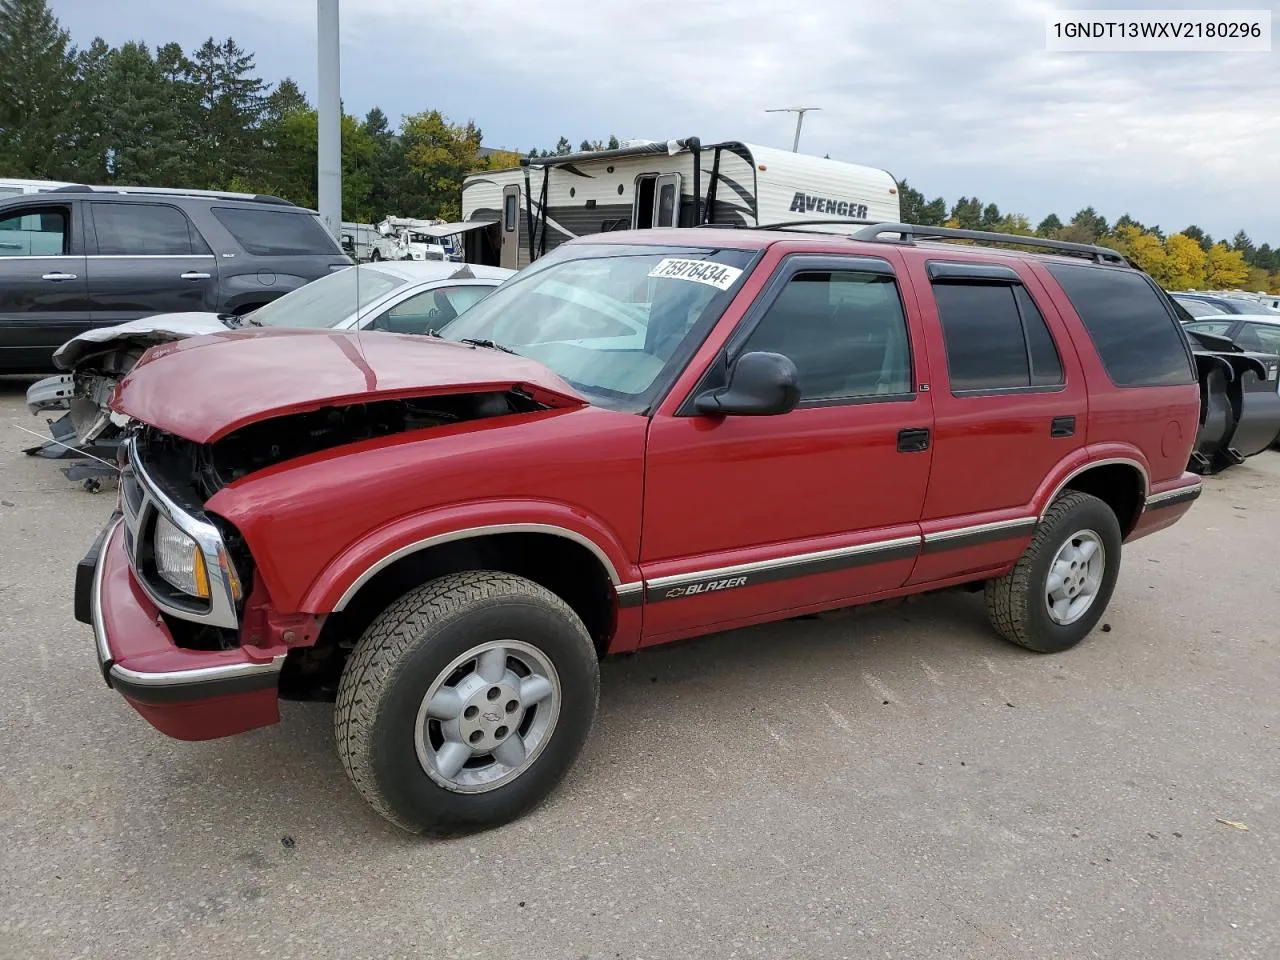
(144, 230)
(1136, 337)
(996, 338)
(34, 233)
(274, 233)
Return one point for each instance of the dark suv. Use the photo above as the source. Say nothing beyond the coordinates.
(80, 257)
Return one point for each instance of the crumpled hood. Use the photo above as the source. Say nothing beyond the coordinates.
(160, 328)
(205, 387)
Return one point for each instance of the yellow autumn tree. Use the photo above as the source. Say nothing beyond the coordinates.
(1225, 268)
(1184, 264)
(1143, 248)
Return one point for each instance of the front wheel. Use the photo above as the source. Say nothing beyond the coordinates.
(1061, 585)
(375, 257)
(466, 702)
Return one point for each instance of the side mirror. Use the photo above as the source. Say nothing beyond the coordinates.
(760, 384)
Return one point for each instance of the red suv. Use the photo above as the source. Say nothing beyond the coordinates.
(644, 436)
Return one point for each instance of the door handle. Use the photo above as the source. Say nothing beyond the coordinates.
(55, 277)
(193, 275)
(913, 440)
(1062, 427)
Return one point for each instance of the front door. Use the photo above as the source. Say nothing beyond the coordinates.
(510, 254)
(44, 298)
(745, 517)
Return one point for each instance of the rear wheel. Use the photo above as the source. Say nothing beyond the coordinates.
(466, 702)
(375, 256)
(1060, 587)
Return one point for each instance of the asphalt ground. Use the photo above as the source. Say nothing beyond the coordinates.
(893, 783)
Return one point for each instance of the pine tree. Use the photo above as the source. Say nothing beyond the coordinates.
(1049, 226)
(37, 73)
(232, 102)
(146, 124)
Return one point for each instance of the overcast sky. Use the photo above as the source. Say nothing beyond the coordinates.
(957, 96)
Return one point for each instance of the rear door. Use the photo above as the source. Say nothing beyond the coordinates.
(147, 258)
(1010, 405)
(43, 289)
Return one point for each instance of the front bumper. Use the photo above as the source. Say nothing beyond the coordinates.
(185, 694)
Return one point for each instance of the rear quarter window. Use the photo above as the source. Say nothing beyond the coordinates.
(275, 233)
(1134, 333)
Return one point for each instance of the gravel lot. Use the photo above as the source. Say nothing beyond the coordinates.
(896, 783)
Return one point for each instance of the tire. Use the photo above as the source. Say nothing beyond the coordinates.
(1017, 603)
(395, 750)
(375, 257)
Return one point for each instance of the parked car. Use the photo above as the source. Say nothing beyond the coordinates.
(1208, 305)
(406, 297)
(445, 534)
(1258, 406)
(1253, 331)
(75, 258)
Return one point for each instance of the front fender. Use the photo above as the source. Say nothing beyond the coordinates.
(358, 563)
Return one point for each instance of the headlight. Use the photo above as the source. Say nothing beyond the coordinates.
(179, 560)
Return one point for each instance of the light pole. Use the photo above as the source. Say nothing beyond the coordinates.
(329, 114)
(799, 112)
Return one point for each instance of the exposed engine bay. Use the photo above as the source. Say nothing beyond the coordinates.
(205, 469)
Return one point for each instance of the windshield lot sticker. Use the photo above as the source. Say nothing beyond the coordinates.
(713, 274)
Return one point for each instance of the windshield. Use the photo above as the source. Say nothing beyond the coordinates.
(609, 319)
(330, 300)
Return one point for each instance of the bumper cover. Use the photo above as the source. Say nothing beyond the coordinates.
(186, 694)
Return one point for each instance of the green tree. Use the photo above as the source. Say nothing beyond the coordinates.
(1087, 226)
(145, 126)
(1244, 246)
(438, 154)
(563, 147)
(613, 142)
(37, 74)
(1013, 223)
(1199, 236)
(911, 203)
(990, 217)
(232, 101)
(1266, 258)
(967, 213)
(84, 143)
(1049, 226)
(934, 213)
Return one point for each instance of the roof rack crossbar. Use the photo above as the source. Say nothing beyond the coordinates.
(913, 232)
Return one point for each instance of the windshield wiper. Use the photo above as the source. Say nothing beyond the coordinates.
(235, 322)
(487, 343)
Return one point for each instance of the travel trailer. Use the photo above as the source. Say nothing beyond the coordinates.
(512, 217)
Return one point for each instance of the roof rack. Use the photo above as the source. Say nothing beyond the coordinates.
(910, 233)
(175, 192)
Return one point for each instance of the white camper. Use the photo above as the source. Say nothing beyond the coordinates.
(514, 216)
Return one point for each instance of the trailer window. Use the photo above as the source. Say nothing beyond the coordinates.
(509, 212)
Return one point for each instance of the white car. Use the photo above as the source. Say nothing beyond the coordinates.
(1258, 332)
(399, 297)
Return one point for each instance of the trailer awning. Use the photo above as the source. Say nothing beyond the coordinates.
(450, 229)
